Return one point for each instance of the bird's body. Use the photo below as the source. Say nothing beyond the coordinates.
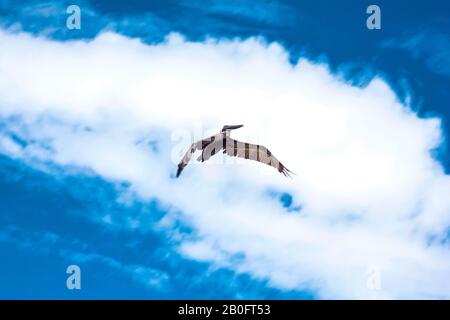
(223, 142)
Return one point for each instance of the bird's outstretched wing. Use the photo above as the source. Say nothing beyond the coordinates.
(210, 146)
(255, 152)
(188, 155)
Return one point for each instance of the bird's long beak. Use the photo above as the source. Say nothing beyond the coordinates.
(235, 127)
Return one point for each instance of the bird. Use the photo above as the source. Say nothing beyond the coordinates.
(231, 147)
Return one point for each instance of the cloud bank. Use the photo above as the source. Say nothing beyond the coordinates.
(368, 198)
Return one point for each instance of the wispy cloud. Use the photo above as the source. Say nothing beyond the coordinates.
(149, 277)
(430, 45)
(74, 251)
(268, 12)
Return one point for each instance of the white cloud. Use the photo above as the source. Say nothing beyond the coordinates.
(370, 192)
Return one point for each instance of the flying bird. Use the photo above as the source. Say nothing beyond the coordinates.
(222, 141)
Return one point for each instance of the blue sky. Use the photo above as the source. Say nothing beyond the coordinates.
(134, 243)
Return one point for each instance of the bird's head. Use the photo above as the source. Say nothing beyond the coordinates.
(229, 128)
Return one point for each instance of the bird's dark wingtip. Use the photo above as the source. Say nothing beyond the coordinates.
(180, 168)
(288, 173)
